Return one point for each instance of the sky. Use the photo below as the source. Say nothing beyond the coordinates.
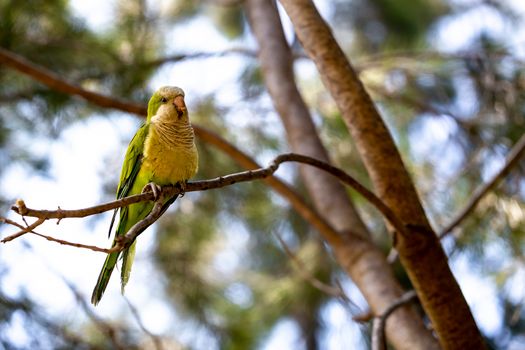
(45, 264)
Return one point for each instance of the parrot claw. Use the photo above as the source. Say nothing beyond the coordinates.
(182, 187)
(154, 188)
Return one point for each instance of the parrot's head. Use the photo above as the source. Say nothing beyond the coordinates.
(167, 105)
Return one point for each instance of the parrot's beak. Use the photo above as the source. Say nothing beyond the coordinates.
(179, 104)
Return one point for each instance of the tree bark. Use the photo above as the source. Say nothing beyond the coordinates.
(420, 250)
(357, 255)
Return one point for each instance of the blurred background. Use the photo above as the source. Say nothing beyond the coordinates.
(224, 269)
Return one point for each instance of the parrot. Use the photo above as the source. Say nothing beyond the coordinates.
(162, 152)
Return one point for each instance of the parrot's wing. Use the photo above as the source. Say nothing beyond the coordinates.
(131, 166)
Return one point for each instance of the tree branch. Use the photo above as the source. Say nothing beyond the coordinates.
(201, 55)
(511, 160)
(336, 292)
(24, 230)
(73, 244)
(169, 191)
(157, 341)
(106, 328)
(55, 82)
(49, 238)
(378, 326)
(124, 241)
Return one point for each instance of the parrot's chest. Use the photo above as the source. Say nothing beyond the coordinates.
(169, 163)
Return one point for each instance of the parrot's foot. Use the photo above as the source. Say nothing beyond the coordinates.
(153, 188)
(182, 187)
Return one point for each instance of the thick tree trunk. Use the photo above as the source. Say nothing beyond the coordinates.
(362, 260)
(420, 251)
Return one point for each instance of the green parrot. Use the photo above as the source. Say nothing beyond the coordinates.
(162, 152)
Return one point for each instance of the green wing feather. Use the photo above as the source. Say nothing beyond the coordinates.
(127, 185)
(130, 168)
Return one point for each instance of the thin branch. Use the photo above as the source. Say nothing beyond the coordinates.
(411, 58)
(55, 82)
(25, 230)
(73, 244)
(156, 340)
(308, 277)
(363, 317)
(334, 291)
(104, 327)
(116, 334)
(378, 327)
(124, 241)
(52, 239)
(80, 213)
(11, 222)
(512, 159)
(225, 3)
(169, 191)
(378, 60)
(350, 181)
(201, 55)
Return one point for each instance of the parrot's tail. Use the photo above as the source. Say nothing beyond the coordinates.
(127, 260)
(103, 278)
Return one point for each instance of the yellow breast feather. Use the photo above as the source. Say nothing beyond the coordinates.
(169, 162)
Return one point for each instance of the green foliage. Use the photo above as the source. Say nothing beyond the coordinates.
(407, 20)
(381, 24)
(229, 20)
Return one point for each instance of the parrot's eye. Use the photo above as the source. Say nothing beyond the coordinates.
(164, 100)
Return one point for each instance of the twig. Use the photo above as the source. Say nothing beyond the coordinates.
(125, 241)
(73, 244)
(219, 182)
(121, 243)
(201, 55)
(49, 238)
(225, 3)
(514, 155)
(112, 332)
(11, 222)
(156, 341)
(55, 82)
(25, 230)
(350, 181)
(105, 327)
(511, 160)
(363, 317)
(378, 327)
(334, 291)
(307, 276)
